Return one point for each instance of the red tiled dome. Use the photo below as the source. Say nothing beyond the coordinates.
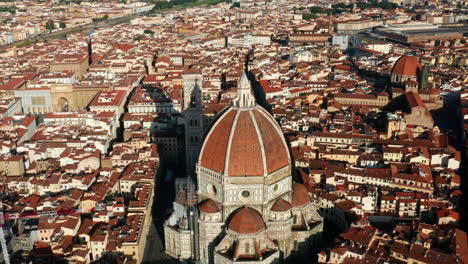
(300, 195)
(280, 206)
(242, 141)
(407, 66)
(209, 206)
(246, 221)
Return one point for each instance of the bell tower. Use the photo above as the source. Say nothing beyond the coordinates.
(193, 115)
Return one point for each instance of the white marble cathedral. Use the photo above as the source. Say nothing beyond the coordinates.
(249, 209)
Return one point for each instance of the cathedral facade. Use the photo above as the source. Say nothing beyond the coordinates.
(249, 208)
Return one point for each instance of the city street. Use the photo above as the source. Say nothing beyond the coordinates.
(164, 196)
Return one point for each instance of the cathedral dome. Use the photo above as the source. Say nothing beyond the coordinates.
(245, 142)
(280, 206)
(246, 221)
(407, 66)
(209, 206)
(300, 195)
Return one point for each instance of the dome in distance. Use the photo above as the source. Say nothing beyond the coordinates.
(209, 206)
(407, 66)
(246, 221)
(300, 195)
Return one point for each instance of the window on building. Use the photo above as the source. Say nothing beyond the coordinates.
(38, 100)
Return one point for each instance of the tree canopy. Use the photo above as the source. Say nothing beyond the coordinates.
(50, 25)
(9, 9)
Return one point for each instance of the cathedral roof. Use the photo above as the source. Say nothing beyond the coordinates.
(245, 142)
(300, 195)
(246, 221)
(407, 66)
(208, 206)
(280, 206)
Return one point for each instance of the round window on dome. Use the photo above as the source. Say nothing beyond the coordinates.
(211, 189)
(245, 194)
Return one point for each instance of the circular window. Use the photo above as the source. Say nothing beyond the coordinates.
(211, 189)
(245, 194)
(276, 187)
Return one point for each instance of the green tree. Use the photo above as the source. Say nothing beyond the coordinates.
(137, 38)
(50, 25)
(149, 32)
(6, 20)
(63, 25)
(9, 9)
(316, 10)
(309, 16)
(235, 4)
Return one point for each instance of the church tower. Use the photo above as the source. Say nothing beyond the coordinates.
(193, 117)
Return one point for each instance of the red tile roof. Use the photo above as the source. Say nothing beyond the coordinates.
(300, 195)
(407, 66)
(249, 139)
(246, 221)
(208, 206)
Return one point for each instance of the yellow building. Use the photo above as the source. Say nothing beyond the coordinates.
(12, 165)
(76, 63)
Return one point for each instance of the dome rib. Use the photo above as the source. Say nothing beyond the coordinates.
(228, 150)
(278, 157)
(245, 150)
(218, 144)
(260, 136)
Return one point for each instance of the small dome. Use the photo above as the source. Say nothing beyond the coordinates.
(208, 206)
(407, 66)
(280, 206)
(246, 221)
(300, 195)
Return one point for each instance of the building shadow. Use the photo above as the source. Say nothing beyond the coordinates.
(173, 177)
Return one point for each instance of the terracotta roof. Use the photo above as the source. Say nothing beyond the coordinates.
(414, 100)
(246, 221)
(407, 66)
(249, 139)
(280, 206)
(208, 206)
(300, 195)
